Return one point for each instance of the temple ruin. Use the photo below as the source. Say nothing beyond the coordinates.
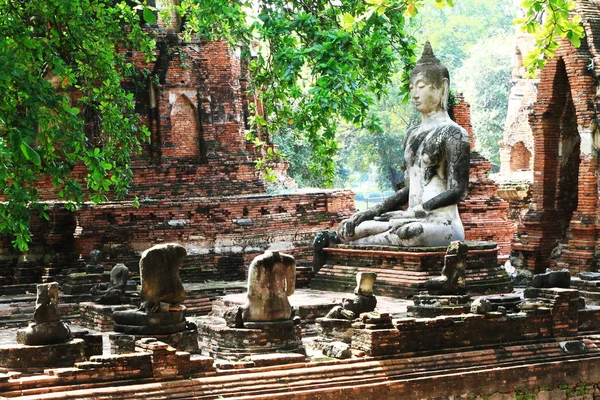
(202, 290)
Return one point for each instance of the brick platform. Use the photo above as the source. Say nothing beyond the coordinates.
(223, 342)
(187, 340)
(34, 358)
(99, 316)
(402, 272)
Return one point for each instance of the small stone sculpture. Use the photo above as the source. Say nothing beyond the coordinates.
(436, 158)
(452, 281)
(322, 240)
(271, 279)
(589, 276)
(159, 275)
(47, 328)
(363, 300)
(481, 305)
(94, 266)
(114, 293)
(161, 292)
(549, 279)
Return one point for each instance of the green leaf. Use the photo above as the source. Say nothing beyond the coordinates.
(347, 21)
(30, 154)
(149, 16)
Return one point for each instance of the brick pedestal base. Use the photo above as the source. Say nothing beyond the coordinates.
(34, 358)
(402, 271)
(234, 343)
(99, 316)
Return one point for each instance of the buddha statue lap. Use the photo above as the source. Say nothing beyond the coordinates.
(436, 163)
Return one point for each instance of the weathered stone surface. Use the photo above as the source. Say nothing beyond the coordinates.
(334, 328)
(452, 281)
(267, 360)
(402, 272)
(46, 304)
(136, 317)
(321, 241)
(94, 266)
(429, 306)
(36, 357)
(550, 279)
(159, 274)
(481, 305)
(235, 343)
(364, 283)
(99, 316)
(47, 328)
(54, 332)
(522, 277)
(589, 276)
(114, 293)
(271, 279)
(339, 350)
(233, 317)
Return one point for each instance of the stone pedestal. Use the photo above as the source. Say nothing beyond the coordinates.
(403, 271)
(150, 323)
(221, 341)
(35, 358)
(82, 282)
(334, 328)
(187, 340)
(509, 301)
(99, 316)
(432, 306)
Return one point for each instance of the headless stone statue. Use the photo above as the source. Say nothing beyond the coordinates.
(271, 279)
(436, 162)
(47, 328)
(159, 313)
(363, 300)
(114, 293)
(159, 275)
(452, 281)
(94, 266)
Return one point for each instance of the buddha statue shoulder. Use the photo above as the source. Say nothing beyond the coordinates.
(436, 172)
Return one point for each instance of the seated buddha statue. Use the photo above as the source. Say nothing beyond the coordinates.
(436, 173)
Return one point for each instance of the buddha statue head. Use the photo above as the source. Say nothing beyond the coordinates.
(429, 83)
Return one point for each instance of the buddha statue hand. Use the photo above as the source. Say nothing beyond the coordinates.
(416, 212)
(346, 229)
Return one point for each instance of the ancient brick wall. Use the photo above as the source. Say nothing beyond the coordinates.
(563, 210)
(196, 180)
(221, 234)
(483, 213)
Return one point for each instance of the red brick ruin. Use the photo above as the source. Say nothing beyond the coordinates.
(198, 186)
(196, 181)
(562, 217)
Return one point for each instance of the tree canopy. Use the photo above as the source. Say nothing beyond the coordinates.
(317, 63)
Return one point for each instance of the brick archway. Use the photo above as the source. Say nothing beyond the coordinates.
(186, 143)
(564, 190)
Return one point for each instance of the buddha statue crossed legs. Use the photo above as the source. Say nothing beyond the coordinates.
(436, 163)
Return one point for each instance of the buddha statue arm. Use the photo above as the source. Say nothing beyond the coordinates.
(458, 156)
(394, 202)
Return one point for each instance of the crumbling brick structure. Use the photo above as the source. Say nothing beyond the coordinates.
(483, 213)
(564, 196)
(196, 179)
(516, 147)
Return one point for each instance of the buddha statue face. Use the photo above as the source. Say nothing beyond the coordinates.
(427, 98)
(429, 83)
